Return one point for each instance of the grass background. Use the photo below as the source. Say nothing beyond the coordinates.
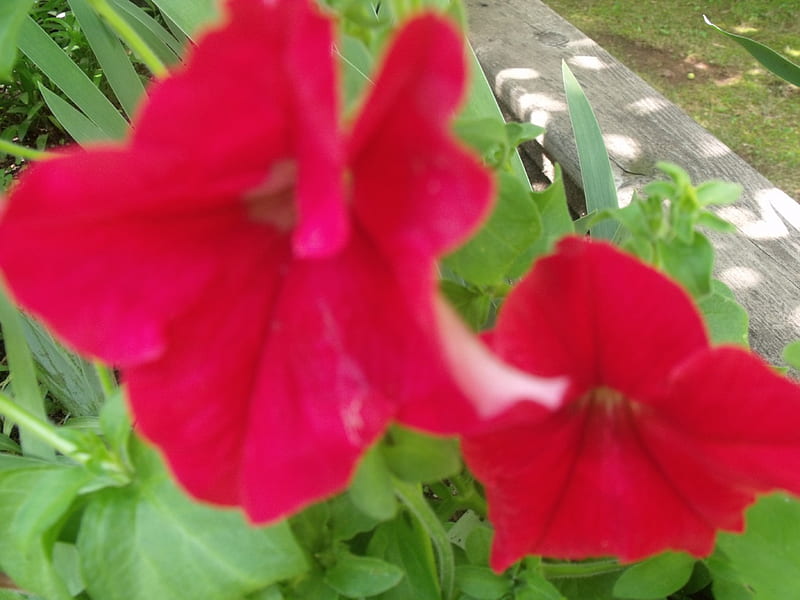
(708, 75)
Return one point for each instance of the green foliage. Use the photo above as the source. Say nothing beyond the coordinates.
(12, 15)
(656, 577)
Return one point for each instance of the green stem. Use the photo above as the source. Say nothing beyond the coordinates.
(131, 38)
(411, 495)
(572, 570)
(13, 149)
(105, 375)
(43, 430)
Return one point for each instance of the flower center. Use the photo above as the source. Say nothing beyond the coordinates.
(273, 202)
(604, 399)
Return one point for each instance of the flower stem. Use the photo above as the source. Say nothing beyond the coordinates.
(43, 430)
(131, 38)
(107, 381)
(13, 149)
(571, 570)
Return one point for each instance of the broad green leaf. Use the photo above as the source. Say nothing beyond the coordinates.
(531, 585)
(68, 378)
(371, 489)
(718, 193)
(471, 303)
(481, 582)
(766, 557)
(362, 576)
(555, 217)
(149, 540)
(791, 354)
(478, 545)
(22, 372)
(417, 457)
(727, 321)
(597, 587)
(69, 78)
(596, 174)
(115, 424)
(690, 264)
(655, 577)
(12, 15)
(780, 66)
(346, 519)
(34, 501)
(504, 247)
(312, 586)
(190, 17)
(77, 125)
(114, 60)
(726, 582)
(403, 542)
(271, 593)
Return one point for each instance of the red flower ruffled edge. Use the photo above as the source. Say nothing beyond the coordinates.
(662, 439)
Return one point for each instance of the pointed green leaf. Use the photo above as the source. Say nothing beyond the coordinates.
(12, 15)
(481, 582)
(371, 489)
(780, 66)
(78, 126)
(596, 174)
(655, 577)
(690, 264)
(148, 540)
(726, 319)
(418, 457)
(114, 60)
(69, 78)
(362, 576)
(160, 41)
(190, 17)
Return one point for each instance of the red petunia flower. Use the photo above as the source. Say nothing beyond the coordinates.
(661, 439)
(265, 282)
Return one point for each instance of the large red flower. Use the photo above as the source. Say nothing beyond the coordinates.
(661, 439)
(265, 282)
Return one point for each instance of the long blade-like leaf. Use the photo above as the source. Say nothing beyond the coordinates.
(779, 65)
(596, 174)
(69, 78)
(77, 125)
(189, 16)
(113, 58)
(161, 41)
(12, 15)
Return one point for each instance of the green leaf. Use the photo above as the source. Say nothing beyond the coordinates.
(727, 321)
(766, 558)
(555, 217)
(356, 66)
(160, 41)
(596, 174)
(689, 263)
(371, 489)
(34, 500)
(69, 379)
(149, 540)
(77, 125)
(12, 15)
(404, 542)
(472, 303)
(9, 445)
(346, 519)
(531, 585)
(718, 193)
(312, 586)
(418, 457)
(481, 582)
(597, 587)
(69, 78)
(478, 545)
(23, 373)
(362, 576)
(791, 354)
(655, 577)
(780, 66)
(190, 17)
(726, 581)
(114, 60)
(504, 247)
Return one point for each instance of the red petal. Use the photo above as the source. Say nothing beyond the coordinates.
(590, 311)
(417, 191)
(742, 417)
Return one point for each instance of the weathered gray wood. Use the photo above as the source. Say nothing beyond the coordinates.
(521, 43)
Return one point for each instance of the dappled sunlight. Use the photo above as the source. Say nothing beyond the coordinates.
(591, 63)
(776, 210)
(622, 146)
(713, 147)
(785, 206)
(538, 101)
(740, 277)
(648, 105)
(516, 74)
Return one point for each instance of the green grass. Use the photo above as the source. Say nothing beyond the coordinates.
(711, 77)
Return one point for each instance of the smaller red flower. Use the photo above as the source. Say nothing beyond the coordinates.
(661, 440)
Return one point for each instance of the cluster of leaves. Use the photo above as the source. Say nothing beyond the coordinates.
(104, 520)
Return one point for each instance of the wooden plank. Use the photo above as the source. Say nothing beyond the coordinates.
(521, 43)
